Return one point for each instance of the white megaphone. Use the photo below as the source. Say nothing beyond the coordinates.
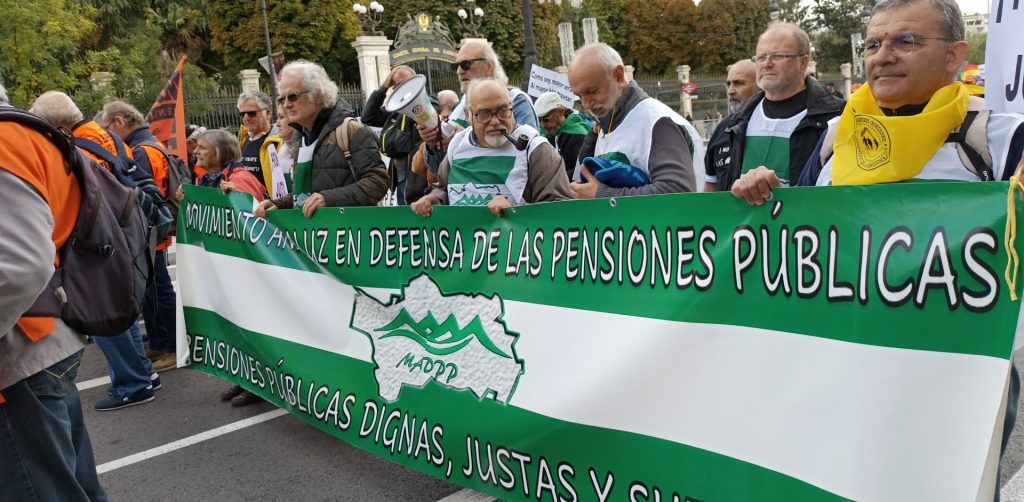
(410, 99)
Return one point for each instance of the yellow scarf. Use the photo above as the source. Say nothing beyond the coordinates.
(872, 148)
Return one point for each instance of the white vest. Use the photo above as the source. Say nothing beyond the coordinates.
(478, 174)
(946, 165)
(632, 137)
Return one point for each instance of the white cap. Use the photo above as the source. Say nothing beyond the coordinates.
(546, 103)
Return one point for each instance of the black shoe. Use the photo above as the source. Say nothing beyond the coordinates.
(245, 398)
(231, 393)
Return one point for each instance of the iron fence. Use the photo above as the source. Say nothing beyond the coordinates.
(219, 110)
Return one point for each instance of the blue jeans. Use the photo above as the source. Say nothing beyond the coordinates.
(45, 453)
(129, 369)
(158, 310)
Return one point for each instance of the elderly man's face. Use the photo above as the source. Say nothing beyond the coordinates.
(472, 55)
(301, 105)
(255, 119)
(741, 83)
(553, 121)
(598, 89)
(491, 113)
(910, 74)
(781, 74)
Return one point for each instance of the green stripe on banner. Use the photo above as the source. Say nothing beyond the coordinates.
(705, 258)
(440, 431)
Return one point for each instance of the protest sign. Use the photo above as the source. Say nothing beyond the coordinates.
(839, 343)
(543, 80)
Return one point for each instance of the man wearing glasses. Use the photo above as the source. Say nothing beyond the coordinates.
(477, 59)
(256, 135)
(779, 127)
(483, 167)
(912, 120)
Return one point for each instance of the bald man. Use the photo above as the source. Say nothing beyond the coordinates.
(779, 127)
(741, 83)
(630, 125)
(477, 59)
(483, 167)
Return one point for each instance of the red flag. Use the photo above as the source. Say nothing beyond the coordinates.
(167, 116)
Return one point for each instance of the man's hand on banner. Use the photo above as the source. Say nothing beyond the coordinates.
(424, 206)
(314, 202)
(588, 189)
(756, 186)
(266, 205)
(498, 204)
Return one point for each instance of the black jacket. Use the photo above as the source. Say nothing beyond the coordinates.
(399, 140)
(362, 184)
(724, 155)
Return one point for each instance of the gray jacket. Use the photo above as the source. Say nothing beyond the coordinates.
(26, 264)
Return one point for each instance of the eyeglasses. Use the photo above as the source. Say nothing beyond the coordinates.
(293, 97)
(903, 43)
(465, 64)
(773, 58)
(250, 114)
(487, 115)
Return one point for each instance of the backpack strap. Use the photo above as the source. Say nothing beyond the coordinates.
(343, 133)
(972, 140)
(117, 167)
(59, 138)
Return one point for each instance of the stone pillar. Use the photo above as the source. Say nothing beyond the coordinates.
(250, 80)
(686, 106)
(590, 33)
(847, 71)
(812, 68)
(629, 72)
(100, 80)
(374, 61)
(566, 42)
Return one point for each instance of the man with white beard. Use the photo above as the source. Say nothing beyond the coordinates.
(482, 167)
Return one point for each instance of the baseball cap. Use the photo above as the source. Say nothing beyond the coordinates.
(547, 102)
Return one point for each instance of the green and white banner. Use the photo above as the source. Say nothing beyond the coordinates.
(839, 343)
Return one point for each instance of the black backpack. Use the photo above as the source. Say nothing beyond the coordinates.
(100, 286)
(154, 207)
(178, 173)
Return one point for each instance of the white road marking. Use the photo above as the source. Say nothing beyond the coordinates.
(189, 441)
(95, 382)
(1014, 488)
(467, 495)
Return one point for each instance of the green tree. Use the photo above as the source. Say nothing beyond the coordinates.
(657, 32)
(310, 29)
(976, 42)
(834, 22)
(41, 46)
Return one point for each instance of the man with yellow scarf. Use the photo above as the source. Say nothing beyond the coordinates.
(901, 125)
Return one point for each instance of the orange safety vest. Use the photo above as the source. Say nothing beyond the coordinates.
(33, 158)
(160, 176)
(92, 131)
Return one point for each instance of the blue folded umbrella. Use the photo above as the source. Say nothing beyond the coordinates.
(616, 174)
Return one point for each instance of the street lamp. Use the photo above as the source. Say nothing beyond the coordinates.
(773, 11)
(471, 21)
(371, 17)
(865, 15)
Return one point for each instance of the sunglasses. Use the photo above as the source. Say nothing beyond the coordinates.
(465, 64)
(293, 97)
(250, 114)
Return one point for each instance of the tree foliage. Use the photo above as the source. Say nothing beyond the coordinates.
(657, 32)
(40, 46)
(316, 30)
(833, 23)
